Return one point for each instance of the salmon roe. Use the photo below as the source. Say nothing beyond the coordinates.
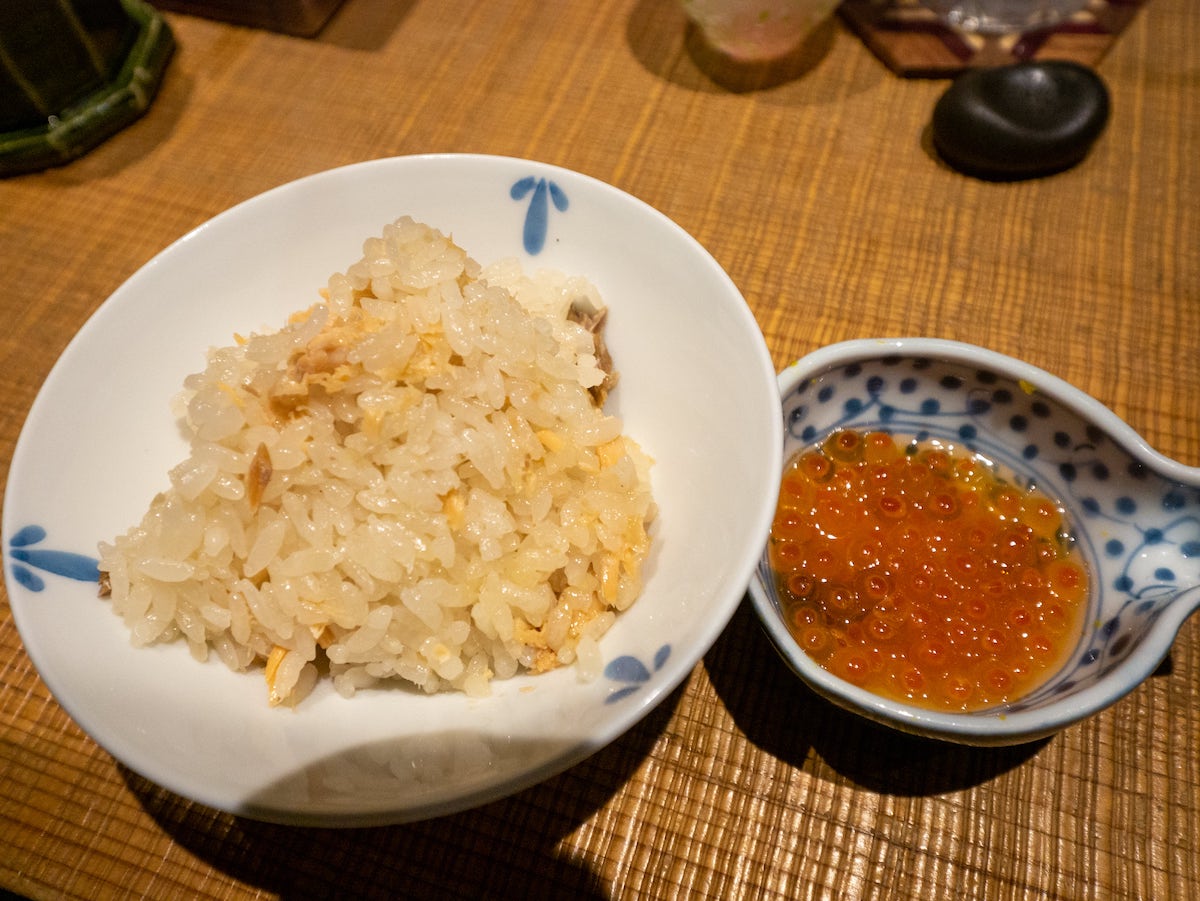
(918, 572)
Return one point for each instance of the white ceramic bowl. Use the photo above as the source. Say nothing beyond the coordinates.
(1135, 513)
(697, 390)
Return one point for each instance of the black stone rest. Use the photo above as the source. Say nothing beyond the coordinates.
(1020, 121)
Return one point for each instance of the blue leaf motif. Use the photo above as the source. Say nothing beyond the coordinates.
(632, 672)
(621, 693)
(537, 215)
(627, 669)
(660, 656)
(558, 197)
(522, 187)
(27, 536)
(60, 563)
(28, 578)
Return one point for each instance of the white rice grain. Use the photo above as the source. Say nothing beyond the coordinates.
(410, 479)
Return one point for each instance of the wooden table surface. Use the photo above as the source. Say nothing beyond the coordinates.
(814, 184)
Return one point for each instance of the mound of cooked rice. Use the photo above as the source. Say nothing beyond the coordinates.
(413, 480)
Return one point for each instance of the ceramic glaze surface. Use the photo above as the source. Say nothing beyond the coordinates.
(391, 754)
(1138, 529)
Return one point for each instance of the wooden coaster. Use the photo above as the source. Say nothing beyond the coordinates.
(912, 41)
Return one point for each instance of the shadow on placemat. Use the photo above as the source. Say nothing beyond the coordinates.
(134, 142)
(505, 849)
(365, 24)
(788, 720)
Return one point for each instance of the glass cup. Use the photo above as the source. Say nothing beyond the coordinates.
(1003, 16)
(757, 30)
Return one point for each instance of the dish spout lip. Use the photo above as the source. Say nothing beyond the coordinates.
(1143, 589)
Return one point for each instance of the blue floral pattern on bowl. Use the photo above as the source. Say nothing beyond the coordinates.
(1139, 530)
(632, 673)
(25, 558)
(542, 192)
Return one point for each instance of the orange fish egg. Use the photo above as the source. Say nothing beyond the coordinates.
(919, 572)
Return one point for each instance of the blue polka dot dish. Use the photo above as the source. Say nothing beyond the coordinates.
(1134, 513)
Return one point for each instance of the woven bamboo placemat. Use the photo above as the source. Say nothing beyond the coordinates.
(819, 195)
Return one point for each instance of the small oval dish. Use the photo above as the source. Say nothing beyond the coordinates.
(1135, 514)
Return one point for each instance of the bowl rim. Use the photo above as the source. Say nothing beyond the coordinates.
(993, 727)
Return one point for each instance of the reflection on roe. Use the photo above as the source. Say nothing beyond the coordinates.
(919, 572)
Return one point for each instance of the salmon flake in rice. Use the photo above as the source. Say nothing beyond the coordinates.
(412, 480)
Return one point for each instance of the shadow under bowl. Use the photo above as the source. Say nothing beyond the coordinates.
(1135, 514)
